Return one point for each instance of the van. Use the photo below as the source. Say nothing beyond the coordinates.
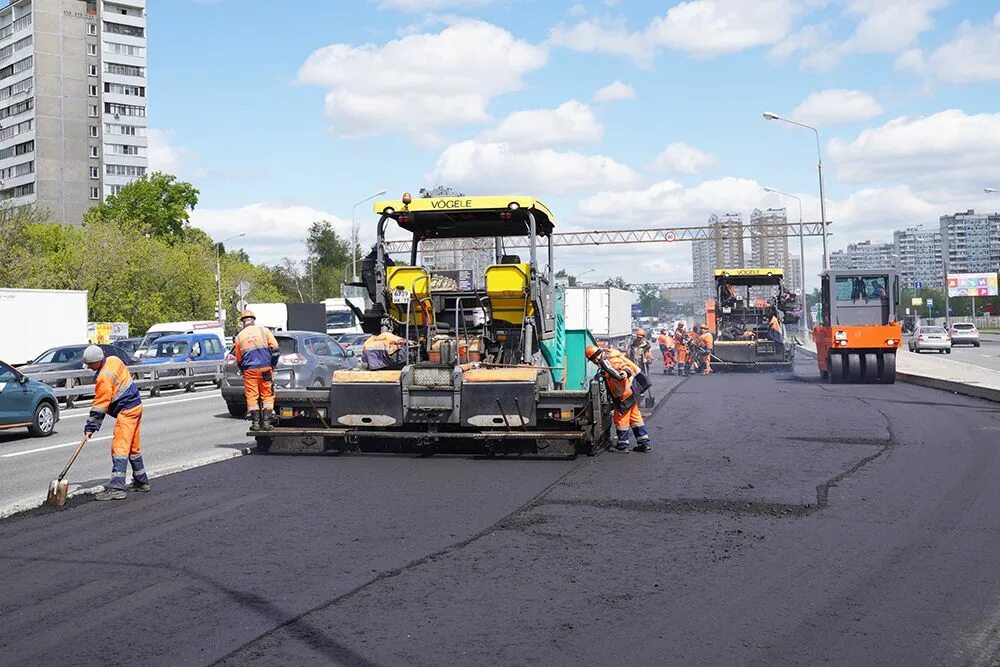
(175, 329)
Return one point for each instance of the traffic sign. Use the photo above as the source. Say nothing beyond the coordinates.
(242, 289)
(917, 284)
(670, 235)
(930, 303)
(241, 305)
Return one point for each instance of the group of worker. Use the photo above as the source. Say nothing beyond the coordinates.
(685, 351)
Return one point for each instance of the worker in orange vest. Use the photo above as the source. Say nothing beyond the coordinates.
(115, 394)
(774, 327)
(707, 342)
(680, 345)
(256, 352)
(618, 372)
(386, 351)
(666, 343)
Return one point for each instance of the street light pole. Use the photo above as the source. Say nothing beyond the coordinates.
(802, 256)
(822, 195)
(355, 233)
(218, 273)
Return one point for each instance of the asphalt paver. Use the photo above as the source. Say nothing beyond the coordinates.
(778, 520)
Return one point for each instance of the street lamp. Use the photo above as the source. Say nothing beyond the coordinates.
(822, 198)
(355, 230)
(990, 190)
(218, 274)
(581, 275)
(802, 255)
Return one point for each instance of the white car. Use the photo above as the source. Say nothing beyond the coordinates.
(964, 333)
(930, 338)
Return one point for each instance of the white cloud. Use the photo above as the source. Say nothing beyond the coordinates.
(428, 5)
(163, 154)
(972, 55)
(420, 83)
(828, 107)
(889, 26)
(495, 166)
(701, 28)
(943, 150)
(571, 123)
(614, 91)
(680, 158)
(273, 231)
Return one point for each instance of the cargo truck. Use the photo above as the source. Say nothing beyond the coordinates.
(605, 311)
(35, 320)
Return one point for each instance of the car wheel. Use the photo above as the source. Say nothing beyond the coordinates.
(236, 409)
(975, 344)
(318, 384)
(44, 420)
(947, 351)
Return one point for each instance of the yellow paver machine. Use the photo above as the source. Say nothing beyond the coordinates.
(482, 369)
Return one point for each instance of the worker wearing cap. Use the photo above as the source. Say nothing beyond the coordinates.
(256, 352)
(617, 371)
(680, 343)
(666, 343)
(115, 394)
(641, 351)
(707, 342)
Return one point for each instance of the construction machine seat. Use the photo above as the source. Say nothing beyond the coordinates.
(508, 293)
(417, 282)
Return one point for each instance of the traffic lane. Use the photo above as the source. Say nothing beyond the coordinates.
(985, 356)
(177, 431)
(628, 562)
(216, 556)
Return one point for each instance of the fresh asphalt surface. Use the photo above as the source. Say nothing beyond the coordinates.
(779, 520)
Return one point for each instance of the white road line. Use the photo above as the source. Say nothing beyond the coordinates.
(51, 447)
(86, 411)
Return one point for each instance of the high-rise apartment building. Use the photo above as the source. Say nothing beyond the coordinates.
(864, 256)
(724, 252)
(72, 102)
(971, 241)
(793, 275)
(919, 257)
(768, 241)
(703, 267)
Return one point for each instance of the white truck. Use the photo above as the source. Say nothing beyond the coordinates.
(36, 319)
(340, 319)
(605, 311)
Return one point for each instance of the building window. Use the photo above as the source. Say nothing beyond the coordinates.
(127, 149)
(95, 193)
(127, 70)
(92, 90)
(95, 173)
(120, 29)
(124, 49)
(92, 70)
(93, 130)
(91, 28)
(124, 109)
(124, 170)
(94, 152)
(94, 113)
(91, 49)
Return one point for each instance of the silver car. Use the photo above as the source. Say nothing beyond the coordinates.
(930, 338)
(964, 333)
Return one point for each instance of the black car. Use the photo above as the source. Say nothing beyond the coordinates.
(70, 358)
(130, 345)
(308, 360)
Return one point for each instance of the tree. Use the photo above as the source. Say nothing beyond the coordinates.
(155, 205)
(326, 249)
(618, 282)
(649, 299)
(570, 280)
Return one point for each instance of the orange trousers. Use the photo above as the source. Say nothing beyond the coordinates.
(259, 382)
(626, 418)
(706, 362)
(125, 441)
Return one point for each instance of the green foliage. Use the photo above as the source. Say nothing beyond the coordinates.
(155, 205)
(570, 280)
(618, 282)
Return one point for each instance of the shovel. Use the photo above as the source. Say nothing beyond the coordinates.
(59, 488)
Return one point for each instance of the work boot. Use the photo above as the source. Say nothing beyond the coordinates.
(642, 447)
(267, 420)
(255, 420)
(111, 494)
(139, 486)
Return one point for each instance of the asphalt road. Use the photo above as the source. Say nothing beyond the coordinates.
(986, 355)
(778, 521)
(178, 430)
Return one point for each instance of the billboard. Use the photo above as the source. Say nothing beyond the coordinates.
(972, 284)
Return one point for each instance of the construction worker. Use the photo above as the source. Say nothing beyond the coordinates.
(386, 351)
(666, 343)
(618, 372)
(641, 351)
(256, 353)
(115, 394)
(774, 327)
(680, 344)
(707, 342)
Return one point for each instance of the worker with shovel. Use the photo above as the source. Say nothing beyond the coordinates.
(115, 394)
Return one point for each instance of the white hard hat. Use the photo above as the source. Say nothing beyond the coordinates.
(93, 354)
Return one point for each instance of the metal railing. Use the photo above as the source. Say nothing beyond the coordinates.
(79, 385)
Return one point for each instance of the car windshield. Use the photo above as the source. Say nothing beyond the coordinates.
(171, 348)
(286, 345)
(339, 318)
(60, 355)
(154, 336)
(932, 330)
(963, 327)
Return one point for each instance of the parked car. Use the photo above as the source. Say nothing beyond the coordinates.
(185, 347)
(308, 360)
(964, 333)
(930, 338)
(70, 358)
(354, 342)
(130, 345)
(26, 403)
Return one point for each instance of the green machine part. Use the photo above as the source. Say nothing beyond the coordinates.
(578, 372)
(554, 349)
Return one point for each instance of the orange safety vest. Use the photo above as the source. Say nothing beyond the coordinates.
(707, 339)
(664, 340)
(253, 347)
(621, 389)
(774, 324)
(114, 390)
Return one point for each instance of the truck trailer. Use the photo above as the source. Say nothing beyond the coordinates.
(36, 319)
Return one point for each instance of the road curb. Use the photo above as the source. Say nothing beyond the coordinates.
(952, 386)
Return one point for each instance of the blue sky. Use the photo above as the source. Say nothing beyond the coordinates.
(283, 113)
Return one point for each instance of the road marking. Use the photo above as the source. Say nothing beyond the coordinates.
(51, 447)
(144, 405)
